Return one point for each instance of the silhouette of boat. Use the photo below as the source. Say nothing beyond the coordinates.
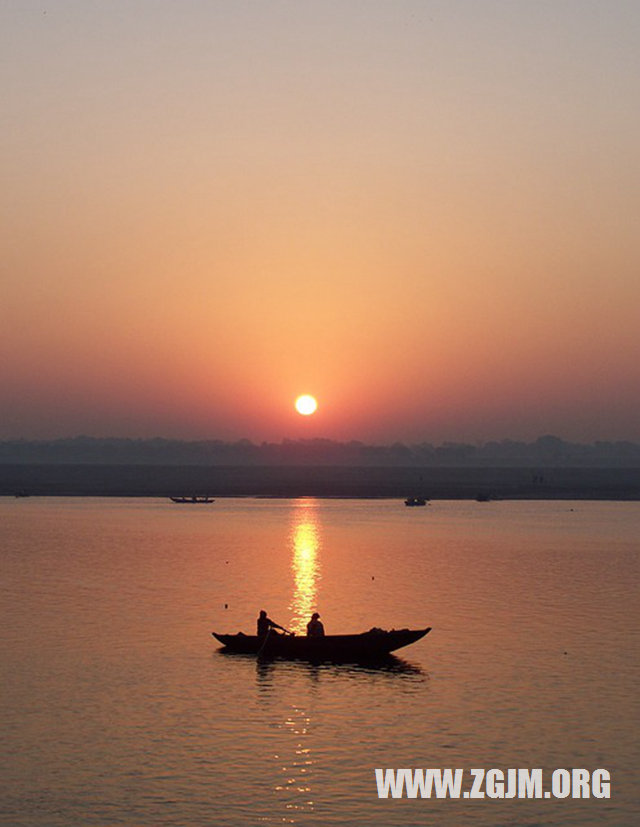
(376, 643)
(412, 501)
(198, 500)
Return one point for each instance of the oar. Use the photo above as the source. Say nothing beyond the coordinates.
(266, 638)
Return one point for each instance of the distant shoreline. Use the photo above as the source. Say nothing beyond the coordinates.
(84, 480)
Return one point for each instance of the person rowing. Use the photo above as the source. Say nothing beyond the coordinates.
(265, 624)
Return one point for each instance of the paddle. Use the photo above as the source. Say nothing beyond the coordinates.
(266, 638)
(269, 630)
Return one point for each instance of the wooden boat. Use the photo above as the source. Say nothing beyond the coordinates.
(376, 643)
(198, 500)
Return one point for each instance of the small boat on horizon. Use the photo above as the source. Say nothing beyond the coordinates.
(376, 643)
(192, 500)
(413, 501)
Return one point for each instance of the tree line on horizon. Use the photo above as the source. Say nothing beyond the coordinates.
(546, 451)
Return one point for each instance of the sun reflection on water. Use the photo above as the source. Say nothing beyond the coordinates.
(295, 789)
(305, 563)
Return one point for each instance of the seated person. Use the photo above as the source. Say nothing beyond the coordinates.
(265, 624)
(315, 627)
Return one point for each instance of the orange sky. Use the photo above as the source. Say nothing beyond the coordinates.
(424, 213)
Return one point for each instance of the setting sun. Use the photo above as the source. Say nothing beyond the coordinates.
(306, 405)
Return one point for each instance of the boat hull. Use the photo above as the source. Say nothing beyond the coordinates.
(192, 500)
(366, 646)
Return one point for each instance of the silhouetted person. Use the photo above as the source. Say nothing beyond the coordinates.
(315, 627)
(265, 623)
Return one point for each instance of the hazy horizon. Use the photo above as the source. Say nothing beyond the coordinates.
(78, 437)
(424, 213)
(546, 451)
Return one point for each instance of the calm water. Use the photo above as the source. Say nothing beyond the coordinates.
(117, 707)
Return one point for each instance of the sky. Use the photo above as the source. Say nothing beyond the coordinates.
(423, 213)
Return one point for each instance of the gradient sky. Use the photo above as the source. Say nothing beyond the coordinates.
(423, 213)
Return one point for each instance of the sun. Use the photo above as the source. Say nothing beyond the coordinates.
(306, 404)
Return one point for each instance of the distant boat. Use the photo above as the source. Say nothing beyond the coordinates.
(412, 501)
(376, 643)
(192, 500)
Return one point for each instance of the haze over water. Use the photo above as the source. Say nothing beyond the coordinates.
(118, 709)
